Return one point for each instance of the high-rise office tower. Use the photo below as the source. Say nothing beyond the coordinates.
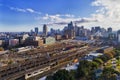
(36, 30)
(45, 30)
(70, 31)
(118, 35)
(109, 30)
(97, 29)
(93, 30)
(119, 38)
(76, 30)
(70, 25)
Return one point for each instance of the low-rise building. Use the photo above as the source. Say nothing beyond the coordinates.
(92, 55)
(34, 41)
(49, 40)
(13, 42)
(58, 37)
(105, 49)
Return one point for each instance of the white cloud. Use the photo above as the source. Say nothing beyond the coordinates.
(30, 10)
(17, 9)
(69, 15)
(108, 12)
(107, 15)
(24, 10)
(65, 19)
(109, 9)
(57, 16)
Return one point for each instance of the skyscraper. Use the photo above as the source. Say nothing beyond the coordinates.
(36, 30)
(97, 29)
(70, 31)
(119, 38)
(70, 25)
(118, 35)
(45, 30)
(109, 30)
(93, 30)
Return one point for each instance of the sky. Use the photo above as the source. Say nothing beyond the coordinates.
(24, 15)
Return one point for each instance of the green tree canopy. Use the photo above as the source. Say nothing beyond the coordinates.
(61, 75)
(85, 68)
(109, 74)
(98, 60)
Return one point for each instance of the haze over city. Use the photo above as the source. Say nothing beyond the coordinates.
(17, 15)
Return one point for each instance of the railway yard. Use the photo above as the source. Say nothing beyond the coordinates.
(24, 65)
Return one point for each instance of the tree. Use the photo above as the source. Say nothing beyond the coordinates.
(73, 73)
(61, 75)
(118, 60)
(104, 58)
(117, 52)
(114, 53)
(49, 77)
(98, 60)
(109, 55)
(109, 74)
(85, 69)
(94, 65)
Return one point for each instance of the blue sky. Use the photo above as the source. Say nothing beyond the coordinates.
(24, 15)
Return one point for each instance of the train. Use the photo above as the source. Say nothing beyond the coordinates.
(37, 72)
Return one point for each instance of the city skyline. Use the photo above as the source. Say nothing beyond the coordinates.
(17, 15)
